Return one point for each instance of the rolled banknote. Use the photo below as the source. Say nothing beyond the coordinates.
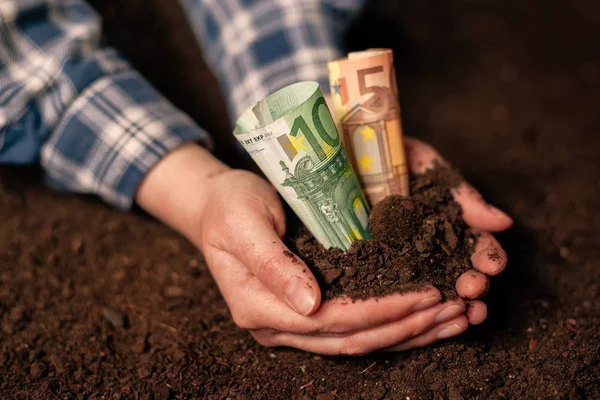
(292, 137)
(365, 104)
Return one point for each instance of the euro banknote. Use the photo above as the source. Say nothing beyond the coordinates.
(367, 111)
(293, 138)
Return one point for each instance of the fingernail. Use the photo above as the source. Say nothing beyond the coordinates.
(300, 296)
(449, 331)
(449, 313)
(428, 302)
(499, 213)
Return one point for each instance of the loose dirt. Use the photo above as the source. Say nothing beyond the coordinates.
(101, 304)
(419, 239)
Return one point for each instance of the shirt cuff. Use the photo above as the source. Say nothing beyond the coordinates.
(112, 135)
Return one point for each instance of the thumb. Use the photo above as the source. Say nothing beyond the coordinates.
(476, 211)
(261, 250)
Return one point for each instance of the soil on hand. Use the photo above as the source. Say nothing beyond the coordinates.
(97, 303)
(417, 240)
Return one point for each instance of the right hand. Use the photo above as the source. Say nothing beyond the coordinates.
(275, 295)
(237, 220)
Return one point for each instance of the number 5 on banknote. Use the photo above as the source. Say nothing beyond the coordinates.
(364, 95)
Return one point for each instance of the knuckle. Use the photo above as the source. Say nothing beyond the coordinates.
(414, 331)
(418, 326)
(229, 222)
(243, 321)
(268, 266)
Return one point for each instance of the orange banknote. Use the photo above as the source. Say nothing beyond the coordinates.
(366, 108)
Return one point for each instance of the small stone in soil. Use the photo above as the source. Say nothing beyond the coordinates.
(114, 317)
(17, 314)
(173, 291)
(140, 345)
(37, 369)
(144, 370)
(161, 392)
(58, 363)
(330, 275)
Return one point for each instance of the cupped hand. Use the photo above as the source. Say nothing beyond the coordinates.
(237, 220)
(488, 259)
(272, 293)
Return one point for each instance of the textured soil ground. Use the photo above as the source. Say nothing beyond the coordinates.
(101, 304)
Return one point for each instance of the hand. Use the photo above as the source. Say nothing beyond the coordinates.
(273, 294)
(488, 259)
(237, 220)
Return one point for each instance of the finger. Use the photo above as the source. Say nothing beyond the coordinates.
(476, 312)
(489, 257)
(259, 248)
(254, 306)
(421, 156)
(472, 285)
(476, 212)
(368, 340)
(440, 332)
(341, 315)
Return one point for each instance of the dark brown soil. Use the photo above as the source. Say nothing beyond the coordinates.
(417, 240)
(507, 91)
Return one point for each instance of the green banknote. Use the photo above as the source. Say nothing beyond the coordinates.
(293, 139)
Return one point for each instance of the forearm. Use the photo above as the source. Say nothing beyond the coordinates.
(94, 124)
(176, 189)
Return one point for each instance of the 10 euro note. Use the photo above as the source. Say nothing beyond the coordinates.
(292, 137)
(365, 104)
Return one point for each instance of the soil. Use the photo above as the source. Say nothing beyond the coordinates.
(418, 239)
(96, 303)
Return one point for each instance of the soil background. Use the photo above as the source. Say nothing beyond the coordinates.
(101, 304)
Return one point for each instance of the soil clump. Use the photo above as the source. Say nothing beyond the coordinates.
(417, 240)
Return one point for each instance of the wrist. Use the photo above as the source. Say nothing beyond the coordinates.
(176, 190)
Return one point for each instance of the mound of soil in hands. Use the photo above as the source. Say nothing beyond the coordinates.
(417, 240)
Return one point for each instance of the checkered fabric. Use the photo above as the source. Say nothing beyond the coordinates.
(96, 126)
(256, 47)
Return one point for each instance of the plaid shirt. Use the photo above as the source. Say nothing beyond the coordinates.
(96, 126)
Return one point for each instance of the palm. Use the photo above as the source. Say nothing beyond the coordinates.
(241, 242)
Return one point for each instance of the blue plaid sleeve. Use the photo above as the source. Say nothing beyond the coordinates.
(95, 125)
(256, 47)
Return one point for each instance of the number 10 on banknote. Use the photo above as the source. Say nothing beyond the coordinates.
(367, 111)
(292, 137)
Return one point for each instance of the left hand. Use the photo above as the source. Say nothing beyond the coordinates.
(489, 258)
